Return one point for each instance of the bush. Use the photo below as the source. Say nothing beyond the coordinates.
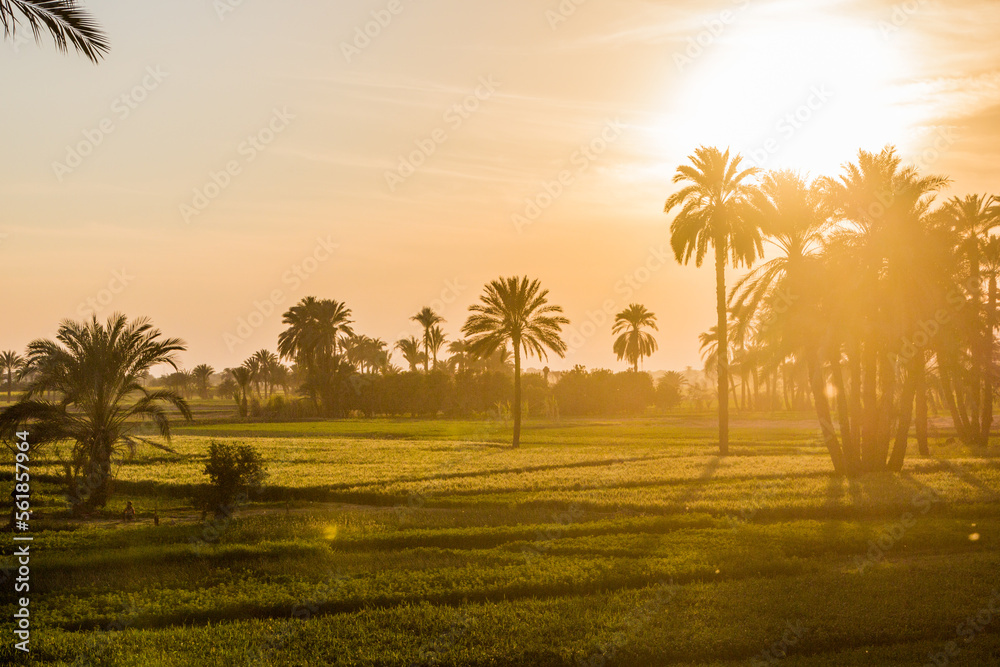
(233, 471)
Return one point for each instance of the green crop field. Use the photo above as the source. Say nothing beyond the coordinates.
(596, 543)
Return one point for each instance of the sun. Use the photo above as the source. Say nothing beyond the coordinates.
(803, 93)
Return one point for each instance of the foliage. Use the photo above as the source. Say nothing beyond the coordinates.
(233, 470)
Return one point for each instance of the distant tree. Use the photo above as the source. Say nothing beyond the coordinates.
(243, 379)
(368, 354)
(95, 368)
(515, 310)
(669, 390)
(410, 349)
(435, 341)
(633, 344)
(427, 318)
(202, 374)
(715, 205)
(180, 382)
(459, 360)
(63, 19)
(313, 340)
(10, 363)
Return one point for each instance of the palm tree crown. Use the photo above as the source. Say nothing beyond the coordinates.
(515, 310)
(427, 318)
(633, 344)
(96, 371)
(67, 23)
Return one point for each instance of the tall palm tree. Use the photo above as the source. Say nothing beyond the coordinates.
(95, 369)
(886, 280)
(313, 340)
(202, 374)
(410, 349)
(970, 219)
(67, 24)
(793, 215)
(427, 318)
(10, 362)
(435, 341)
(714, 212)
(633, 343)
(515, 310)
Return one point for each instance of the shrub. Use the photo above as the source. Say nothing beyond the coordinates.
(233, 471)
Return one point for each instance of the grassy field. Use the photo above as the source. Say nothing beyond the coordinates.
(597, 543)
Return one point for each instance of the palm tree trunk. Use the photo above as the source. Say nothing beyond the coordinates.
(987, 402)
(517, 393)
(427, 351)
(818, 385)
(869, 424)
(920, 369)
(905, 416)
(723, 351)
(852, 454)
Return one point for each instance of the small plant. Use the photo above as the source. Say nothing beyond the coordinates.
(233, 471)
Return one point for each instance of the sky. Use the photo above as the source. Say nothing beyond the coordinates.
(230, 157)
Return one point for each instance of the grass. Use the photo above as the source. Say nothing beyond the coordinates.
(399, 542)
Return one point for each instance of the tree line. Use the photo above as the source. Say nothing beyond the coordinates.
(877, 302)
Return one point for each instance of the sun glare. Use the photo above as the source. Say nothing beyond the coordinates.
(804, 93)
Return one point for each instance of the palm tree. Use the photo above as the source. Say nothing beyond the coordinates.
(313, 340)
(794, 216)
(242, 377)
(202, 374)
(427, 319)
(886, 279)
(633, 343)
(515, 310)
(368, 354)
(64, 20)
(410, 349)
(10, 362)
(262, 367)
(435, 341)
(969, 220)
(95, 368)
(715, 205)
(459, 350)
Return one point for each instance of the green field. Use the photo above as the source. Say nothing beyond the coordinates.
(596, 543)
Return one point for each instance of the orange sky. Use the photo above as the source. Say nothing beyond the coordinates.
(229, 154)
